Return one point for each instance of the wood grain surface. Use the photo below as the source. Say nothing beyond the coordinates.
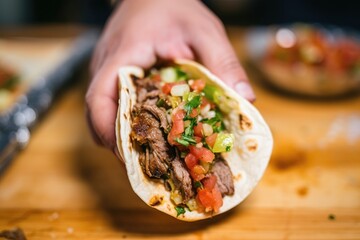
(63, 186)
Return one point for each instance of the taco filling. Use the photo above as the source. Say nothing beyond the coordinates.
(178, 124)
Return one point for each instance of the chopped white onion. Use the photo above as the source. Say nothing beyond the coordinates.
(205, 109)
(199, 145)
(207, 129)
(210, 114)
(192, 204)
(176, 197)
(180, 90)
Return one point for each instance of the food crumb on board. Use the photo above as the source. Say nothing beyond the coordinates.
(53, 235)
(16, 234)
(70, 230)
(331, 217)
(54, 216)
(302, 191)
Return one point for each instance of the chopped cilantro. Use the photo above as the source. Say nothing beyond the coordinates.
(179, 210)
(218, 118)
(193, 103)
(160, 103)
(198, 184)
(182, 142)
(216, 122)
(189, 139)
(189, 131)
(228, 148)
(218, 128)
(185, 140)
(181, 75)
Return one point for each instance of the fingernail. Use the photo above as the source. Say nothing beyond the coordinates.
(245, 90)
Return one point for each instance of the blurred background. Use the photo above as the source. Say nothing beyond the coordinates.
(303, 60)
(240, 12)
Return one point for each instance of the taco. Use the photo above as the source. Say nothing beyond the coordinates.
(192, 147)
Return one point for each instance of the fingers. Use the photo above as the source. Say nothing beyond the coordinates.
(172, 49)
(214, 50)
(102, 95)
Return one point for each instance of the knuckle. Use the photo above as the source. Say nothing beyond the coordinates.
(229, 62)
(218, 23)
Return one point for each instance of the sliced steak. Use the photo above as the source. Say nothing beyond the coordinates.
(147, 84)
(159, 114)
(147, 132)
(143, 95)
(224, 176)
(151, 164)
(182, 179)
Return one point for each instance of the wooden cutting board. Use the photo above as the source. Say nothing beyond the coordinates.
(63, 186)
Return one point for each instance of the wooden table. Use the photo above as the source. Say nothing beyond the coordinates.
(63, 186)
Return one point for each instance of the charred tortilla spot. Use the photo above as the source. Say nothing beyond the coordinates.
(127, 90)
(245, 123)
(125, 116)
(156, 200)
(251, 145)
(237, 177)
(239, 150)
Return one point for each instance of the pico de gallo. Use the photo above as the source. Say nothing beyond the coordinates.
(195, 110)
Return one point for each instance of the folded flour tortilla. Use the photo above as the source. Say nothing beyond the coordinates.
(247, 160)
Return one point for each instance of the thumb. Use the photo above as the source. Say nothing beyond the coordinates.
(217, 54)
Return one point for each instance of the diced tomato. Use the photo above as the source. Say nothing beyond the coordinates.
(178, 127)
(210, 140)
(217, 199)
(172, 137)
(202, 153)
(198, 85)
(197, 139)
(191, 161)
(209, 182)
(198, 130)
(178, 115)
(198, 169)
(206, 199)
(194, 113)
(156, 77)
(205, 101)
(211, 200)
(197, 172)
(167, 88)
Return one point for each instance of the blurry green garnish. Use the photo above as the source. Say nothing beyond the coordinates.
(179, 210)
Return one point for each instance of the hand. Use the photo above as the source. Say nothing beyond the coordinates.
(141, 31)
